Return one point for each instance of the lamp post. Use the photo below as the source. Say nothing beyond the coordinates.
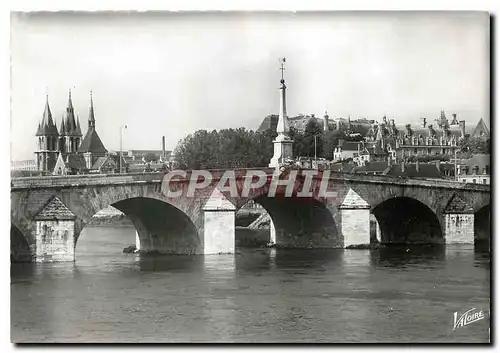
(121, 138)
(315, 157)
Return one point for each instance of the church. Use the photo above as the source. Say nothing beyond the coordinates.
(63, 151)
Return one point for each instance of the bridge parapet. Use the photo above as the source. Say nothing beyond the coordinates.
(133, 178)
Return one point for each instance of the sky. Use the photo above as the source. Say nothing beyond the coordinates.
(174, 73)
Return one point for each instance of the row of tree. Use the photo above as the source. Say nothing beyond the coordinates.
(241, 148)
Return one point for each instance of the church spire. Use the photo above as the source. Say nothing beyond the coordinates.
(62, 130)
(47, 126)
(78, 128)
(70, 123)
(70, 102)
(91, 113)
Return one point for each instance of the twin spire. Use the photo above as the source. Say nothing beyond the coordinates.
(70, 125)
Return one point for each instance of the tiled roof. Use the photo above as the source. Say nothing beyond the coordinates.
(480, 160)
(425, 170)
(348, 145)
(99, 162)
(457, 205)
(342, 167)
(372, 167)
(55, 209)
(92, 143)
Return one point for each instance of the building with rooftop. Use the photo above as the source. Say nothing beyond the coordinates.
(475, 170)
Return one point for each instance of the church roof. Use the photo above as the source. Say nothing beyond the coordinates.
(481, 129)
(92, 143)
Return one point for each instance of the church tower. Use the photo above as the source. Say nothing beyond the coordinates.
(283, 150)
(71, 133)
(48, 141)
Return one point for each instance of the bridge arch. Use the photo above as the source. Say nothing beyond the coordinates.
(405, 220)
(300, 221)
(160, 225)
(20, 250)
(482, 225)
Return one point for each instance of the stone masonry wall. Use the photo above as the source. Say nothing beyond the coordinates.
(55, 241)
(459, 228)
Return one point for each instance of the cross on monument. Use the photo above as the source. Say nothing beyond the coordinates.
(282, 68)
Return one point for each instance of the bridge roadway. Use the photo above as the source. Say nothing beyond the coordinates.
(49, 213)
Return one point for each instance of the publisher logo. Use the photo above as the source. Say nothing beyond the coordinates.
(470, 316)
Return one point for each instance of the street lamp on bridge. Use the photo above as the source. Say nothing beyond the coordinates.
(121, 150)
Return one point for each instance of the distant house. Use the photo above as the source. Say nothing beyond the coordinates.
(370, 152)
(346, 150)
(27, 165)
(475, 170)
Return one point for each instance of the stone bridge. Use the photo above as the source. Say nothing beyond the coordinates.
(49, 213)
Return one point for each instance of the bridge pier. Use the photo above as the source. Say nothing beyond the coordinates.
(137, 241)
(55, 233)
(218, 228)
(459, 222)
(355, 220)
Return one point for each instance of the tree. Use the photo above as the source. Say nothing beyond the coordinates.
(313, 131)
(330, 140)
(474, 145)
(227, 148)
(150, 157)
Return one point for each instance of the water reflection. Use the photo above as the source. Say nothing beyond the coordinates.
(257, 295)
(302, 259)
(169, 263)
(403, 256)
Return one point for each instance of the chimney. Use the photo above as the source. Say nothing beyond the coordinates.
(163, 147)
(403, 166)
(417, 166)
(408, 129)
(325, 122)
(392, 122)
(462, 128)
(384, 119)
(424, 122)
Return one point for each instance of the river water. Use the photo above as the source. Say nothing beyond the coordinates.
(259, 295)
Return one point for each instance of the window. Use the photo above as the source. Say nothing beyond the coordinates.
(463, 181)
(428, 151)
(474, 181)
(484, 181)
